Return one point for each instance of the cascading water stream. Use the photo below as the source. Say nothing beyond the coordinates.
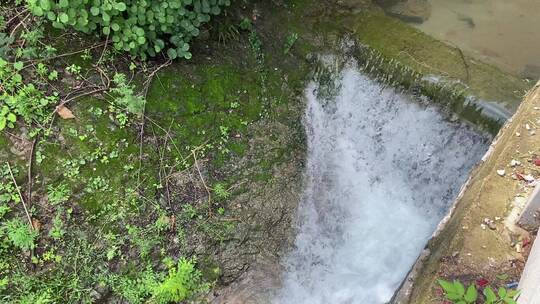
(382, 171)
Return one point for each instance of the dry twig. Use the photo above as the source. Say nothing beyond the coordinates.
(21, 197)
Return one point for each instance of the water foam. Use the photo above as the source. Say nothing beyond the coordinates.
(382, 171)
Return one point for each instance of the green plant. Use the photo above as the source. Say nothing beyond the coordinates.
(456, 293)
(58, 194)
(5, 41)
(7, 118)
(125, 95)
(503, 296)
(57, 231)
(183, 282)
(20, 234)
(141, 27)
(220, 191)
(18, 99)
(289, 43)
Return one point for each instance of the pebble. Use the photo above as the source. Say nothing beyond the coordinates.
(490, 223)
(514, 163)
(501, 172)
(529, 178)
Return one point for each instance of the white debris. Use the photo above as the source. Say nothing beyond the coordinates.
(518, 134)
(515, 163)
(529, 178)
(501, 172)
(527, 126)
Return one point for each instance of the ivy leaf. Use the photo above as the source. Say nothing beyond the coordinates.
(64, 18)
(121, 6)
(172, 53)
(45, 4)
(94, 11)
(11, 117)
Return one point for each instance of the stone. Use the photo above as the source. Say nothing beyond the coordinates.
(415, 11)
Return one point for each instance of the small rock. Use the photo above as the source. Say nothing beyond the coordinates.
(515, 163)
(501, 172)
(490, 223)
(527, 126)
(518, 134)
(529, 178)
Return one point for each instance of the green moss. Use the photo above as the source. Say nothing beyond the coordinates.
(398, 41)
(91, 156)
(206, 104)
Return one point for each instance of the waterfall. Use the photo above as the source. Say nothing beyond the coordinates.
(382, 171)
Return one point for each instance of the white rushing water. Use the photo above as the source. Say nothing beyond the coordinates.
(382, 171)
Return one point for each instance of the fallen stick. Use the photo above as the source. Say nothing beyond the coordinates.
(20, 195)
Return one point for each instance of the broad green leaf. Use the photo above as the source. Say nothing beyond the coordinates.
(471, 294)
(446, 286)
(459, 288)
(454, 296)
(502, 293)
(490, 295)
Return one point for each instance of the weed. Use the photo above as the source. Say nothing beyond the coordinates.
(220, 191)
(289, 43)
(456, 292)
(183, 282)
(20, 234)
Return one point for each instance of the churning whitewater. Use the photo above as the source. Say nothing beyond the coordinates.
(382, 171)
